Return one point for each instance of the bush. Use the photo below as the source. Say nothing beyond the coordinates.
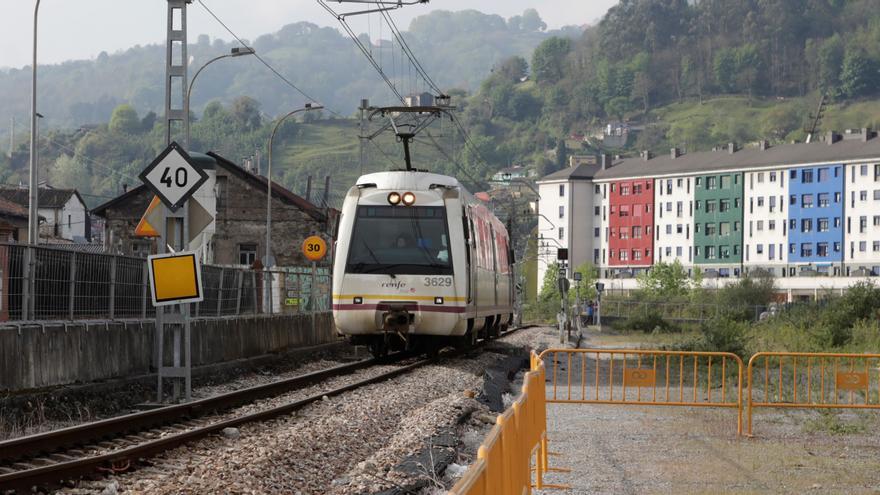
(724, 335)
(649, 321)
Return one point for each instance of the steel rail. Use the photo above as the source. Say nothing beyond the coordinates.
(52, 441)
(55, 475)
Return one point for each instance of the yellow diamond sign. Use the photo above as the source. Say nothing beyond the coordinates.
(175, 278)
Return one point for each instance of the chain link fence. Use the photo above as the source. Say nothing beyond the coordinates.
(39, 283)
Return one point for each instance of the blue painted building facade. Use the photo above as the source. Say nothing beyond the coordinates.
(815, 215)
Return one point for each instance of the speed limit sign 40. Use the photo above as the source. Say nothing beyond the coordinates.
(173, 176)
(314, 248)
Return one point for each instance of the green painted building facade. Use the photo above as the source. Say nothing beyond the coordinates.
(718, 219)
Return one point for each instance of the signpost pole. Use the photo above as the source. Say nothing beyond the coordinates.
(313, 292)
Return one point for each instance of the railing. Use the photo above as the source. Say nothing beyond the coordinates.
(519, 437)
(39, 283)
(813, 381)
(683, 312)
(645, 377)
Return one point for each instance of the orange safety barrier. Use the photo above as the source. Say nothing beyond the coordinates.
(504, 460)
(646, 377)
(813, 381)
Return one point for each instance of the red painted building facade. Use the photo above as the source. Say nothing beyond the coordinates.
(631, 223)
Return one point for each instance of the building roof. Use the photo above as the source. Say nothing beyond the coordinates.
(583, 171)
(785, 155)
(49, 197)
(11, 209)
(257, 181)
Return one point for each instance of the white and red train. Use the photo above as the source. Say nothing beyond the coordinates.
(419, 263)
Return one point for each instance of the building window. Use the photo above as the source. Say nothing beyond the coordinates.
(863, 224)
(822, 225)
(792, 224)
(724, 228)
(760, 177)
(822, 249)
(771, 224)
(807, 201)
(876, 220)
(596, 232)
(678, 250)
(876, 246)
(793, 174)
(637, 189)
(561, 233)
(710, 206)
(596, 210)
(736, 226)
(698, 181)
(836, 222)
(678, 229)
(710, 252)
(696, 228)
(759, 249)
(837, 197)
(807, 176)
(637, 255)
(771, 251)
(806, 249)
(823, 200)
(807, 225)
(863, 195)
(876, 194)
(624, 210)
(772, 176)
(760, 225)
(710, 229)
(220, 191)
(598, 189)
(711, 183)
(561, 190)
(624, 190)
(863, 170)
(624, 232)
(669, 229)
(823, 174)
(863, 246)
(836, 247)
(760, 201)
(668, 251)
(724, 205)
(247, 254)
(725, 182)
(637, 232)
(624, 255)
(562, 212)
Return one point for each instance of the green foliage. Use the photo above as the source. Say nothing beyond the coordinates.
(858, 76)
(548, 61)
(739, 299)
(648, 321)
(724, 335)
(125, 120)
(724, 69)
(667, 280)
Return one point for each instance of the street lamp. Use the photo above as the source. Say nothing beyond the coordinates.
(308, 107)
(33, 232)
(235, 52)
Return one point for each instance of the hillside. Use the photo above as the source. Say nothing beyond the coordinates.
(458, 48)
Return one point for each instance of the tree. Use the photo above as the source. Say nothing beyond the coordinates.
(858, 76)
(246, 112)
(548, 61)
(666, 280)
(724, 69)
(513, 69)
(148, 121)
(125, 120)
(749, 66)
(561, 154)
(531, 21)
(589, 276)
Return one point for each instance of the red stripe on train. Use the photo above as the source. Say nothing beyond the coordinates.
(408, 307)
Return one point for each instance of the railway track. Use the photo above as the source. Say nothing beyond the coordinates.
(54, 459)
(50, 460)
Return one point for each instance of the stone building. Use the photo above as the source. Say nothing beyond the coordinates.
(237, 200)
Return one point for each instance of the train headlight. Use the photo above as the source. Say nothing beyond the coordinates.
(358, 300)
(394, 198)
(409, 198)
(438, 300)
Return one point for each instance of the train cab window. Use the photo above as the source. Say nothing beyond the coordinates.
(396, 240)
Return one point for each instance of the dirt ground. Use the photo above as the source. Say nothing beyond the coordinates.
(634, 449)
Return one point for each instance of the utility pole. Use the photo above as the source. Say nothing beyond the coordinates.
(11, 137)
(326, 200)
(175, 235)
(365, 104)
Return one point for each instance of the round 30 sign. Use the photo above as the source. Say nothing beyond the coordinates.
(314, 248)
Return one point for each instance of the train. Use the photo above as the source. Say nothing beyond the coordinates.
(420, 264)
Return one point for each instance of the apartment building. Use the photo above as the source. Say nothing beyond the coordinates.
(808, 214)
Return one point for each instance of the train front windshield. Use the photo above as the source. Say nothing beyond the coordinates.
(405, 240)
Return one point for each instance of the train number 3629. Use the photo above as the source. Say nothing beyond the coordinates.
(438, 281)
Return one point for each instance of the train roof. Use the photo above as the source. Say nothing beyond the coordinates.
(402, 179)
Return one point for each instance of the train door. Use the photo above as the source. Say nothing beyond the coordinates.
(468, 224)
(495, 269)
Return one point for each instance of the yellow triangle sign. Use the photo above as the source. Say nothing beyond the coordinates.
(198, 218)
(144, 227)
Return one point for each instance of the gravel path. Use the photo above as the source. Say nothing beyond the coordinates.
(634, 449)
(344, 445)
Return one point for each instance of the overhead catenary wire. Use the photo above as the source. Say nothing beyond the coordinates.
(267, 64)
(404, 46)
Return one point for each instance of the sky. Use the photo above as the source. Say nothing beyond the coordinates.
(81, 29)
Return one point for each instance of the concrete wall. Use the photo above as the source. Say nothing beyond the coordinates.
(34, 356)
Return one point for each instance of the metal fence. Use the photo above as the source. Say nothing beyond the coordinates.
(685, 311)
(46, 283)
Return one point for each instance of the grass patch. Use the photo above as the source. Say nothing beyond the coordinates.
(831, 422)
